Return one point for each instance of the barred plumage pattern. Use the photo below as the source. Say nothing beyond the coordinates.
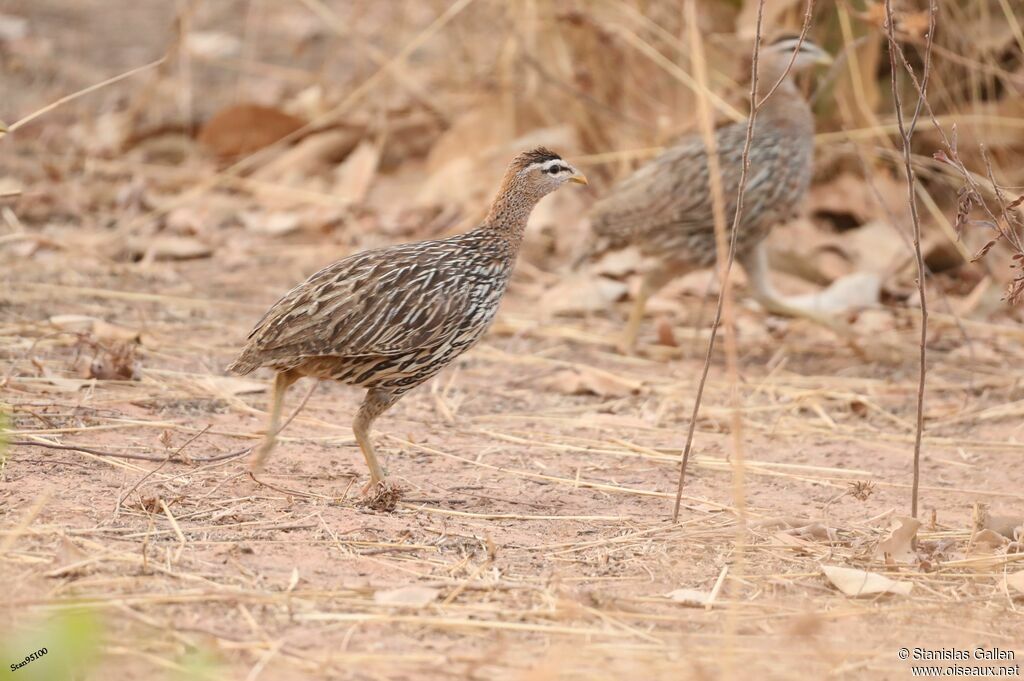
(389, 319)
(665, 208)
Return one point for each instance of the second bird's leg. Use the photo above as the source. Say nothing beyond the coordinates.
(281, 383)
(652, 282)
(376, 402)
(755, 264)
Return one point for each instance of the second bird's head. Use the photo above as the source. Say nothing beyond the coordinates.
(807, 53)
(543, 171)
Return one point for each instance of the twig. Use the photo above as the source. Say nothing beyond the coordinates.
(126, 455)
(724, 277)
(906, 134)
(75, 95)
(170, 456)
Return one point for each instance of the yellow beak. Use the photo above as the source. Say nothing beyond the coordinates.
(579, 178)
(826, 59)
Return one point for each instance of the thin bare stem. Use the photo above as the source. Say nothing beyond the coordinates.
(75, 95)
(727, 268)
(906, 136)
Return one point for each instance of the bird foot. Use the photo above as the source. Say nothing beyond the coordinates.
(382, 495)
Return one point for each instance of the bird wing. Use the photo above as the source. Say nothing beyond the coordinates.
(380, 302)
(671, 190)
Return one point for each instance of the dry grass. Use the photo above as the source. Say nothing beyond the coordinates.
(535, 540)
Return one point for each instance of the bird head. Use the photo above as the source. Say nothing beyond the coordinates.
(807, 53)
(545, 171)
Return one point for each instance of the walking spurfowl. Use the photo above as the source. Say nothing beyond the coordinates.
(665, 207)
(391, 318)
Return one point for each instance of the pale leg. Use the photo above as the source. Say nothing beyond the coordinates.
(755, 264)
(652, 282)
(281, 383)
(376, 402)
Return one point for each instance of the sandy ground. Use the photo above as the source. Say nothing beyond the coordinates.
(535, 537)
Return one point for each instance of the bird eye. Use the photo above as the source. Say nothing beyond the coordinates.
(554, 170)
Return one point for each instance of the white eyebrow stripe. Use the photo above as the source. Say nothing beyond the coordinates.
(544, 165)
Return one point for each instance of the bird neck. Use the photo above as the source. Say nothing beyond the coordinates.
(511, 209)
(786, 106)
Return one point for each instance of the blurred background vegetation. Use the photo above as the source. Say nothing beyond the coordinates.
(360, 123)
(425, 99)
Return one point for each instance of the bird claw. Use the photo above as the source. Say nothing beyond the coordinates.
(381, 495)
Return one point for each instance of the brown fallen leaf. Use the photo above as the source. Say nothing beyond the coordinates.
(666, 336)
(898, 545)
(854, 583)
(408, 596)
(244, 128)
(116, 363)
(591, 382)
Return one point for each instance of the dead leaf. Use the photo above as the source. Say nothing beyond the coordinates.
(168, 248)
(271, 224)
(666, 336)
(1005, 525)
(231, 385)
(409, 596)
(853, 582)
(98, 328)
(212, 44)
(619, 263)
(245, 128)
(314, 154)
(587, 382)
(690, 597)
(582, 293)
(10, 186)
(1016, 580)
(356, 174)
(898, 546)
(987, 541)
(117, 363)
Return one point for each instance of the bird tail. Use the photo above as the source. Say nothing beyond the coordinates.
(245, 363)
